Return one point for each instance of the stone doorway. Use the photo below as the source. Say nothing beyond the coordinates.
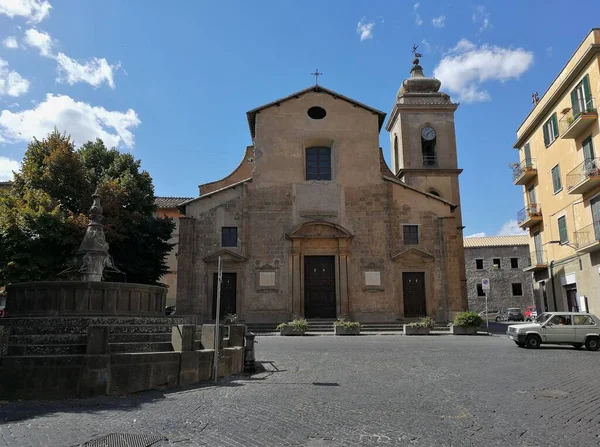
(319, 287)
(228, 294)
(413, 285)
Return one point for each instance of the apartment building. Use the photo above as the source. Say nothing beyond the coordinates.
(559, 171)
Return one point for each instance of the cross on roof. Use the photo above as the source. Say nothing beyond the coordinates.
(414, 50)
(316, 74)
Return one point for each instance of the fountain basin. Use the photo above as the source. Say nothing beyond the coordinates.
(84, 298)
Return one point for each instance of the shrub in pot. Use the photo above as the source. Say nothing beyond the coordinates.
(298, 326)
(344, 327)
(421, 327)
(466, 323)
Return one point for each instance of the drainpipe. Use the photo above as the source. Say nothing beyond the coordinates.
(552, 282)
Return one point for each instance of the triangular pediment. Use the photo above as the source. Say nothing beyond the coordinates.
(413, 256)
(320, 229)
(226, 256)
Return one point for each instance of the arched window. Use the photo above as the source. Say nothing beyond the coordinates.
(434, 192)
(428, 140)
(396, 155)
(318, 163)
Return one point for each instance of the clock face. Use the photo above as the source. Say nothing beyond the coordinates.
(428, 133)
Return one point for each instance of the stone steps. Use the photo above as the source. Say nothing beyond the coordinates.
(46, 349)
(139, 347)
(161, 337)
(48, 339)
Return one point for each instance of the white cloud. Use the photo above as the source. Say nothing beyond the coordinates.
(40, 40)
(11, 82)
(10, 42)
(418, 20)
(466, 67)
(33, 10)
(94, 71)
(7, 166)
(438, 22)
(365, 29)
(482, 234)
(511, 228)
(549, 51)
(482, 18)
(82, 121)
(427, 44)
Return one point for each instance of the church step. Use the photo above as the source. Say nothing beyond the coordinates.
(32, 350)
(139, 347)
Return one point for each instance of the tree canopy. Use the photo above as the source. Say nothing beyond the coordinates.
(44, 216)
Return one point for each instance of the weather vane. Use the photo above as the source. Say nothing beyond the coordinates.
(316, 74)
(414, 50)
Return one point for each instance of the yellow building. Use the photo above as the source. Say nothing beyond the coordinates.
(559, 170)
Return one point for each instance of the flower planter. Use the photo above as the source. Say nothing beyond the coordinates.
(289, 330)
(415, 330)
(341, 330)
(464, 330)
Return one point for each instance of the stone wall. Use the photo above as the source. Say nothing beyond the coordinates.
(501, 279)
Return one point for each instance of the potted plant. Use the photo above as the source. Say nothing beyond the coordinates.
(466, 323)
(344, 327)
(421, 327)
(298, 326)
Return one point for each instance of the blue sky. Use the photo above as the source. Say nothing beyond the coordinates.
(171, 81)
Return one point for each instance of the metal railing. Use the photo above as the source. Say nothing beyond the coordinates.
(521, 168)
(581, 106)
(531, 210)
(430, 161)
(537, 258)
(590, 167)
(587, 235)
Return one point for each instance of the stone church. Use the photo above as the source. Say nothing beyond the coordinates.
(314, 223)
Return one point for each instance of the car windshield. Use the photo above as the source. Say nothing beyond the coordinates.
(542, 318)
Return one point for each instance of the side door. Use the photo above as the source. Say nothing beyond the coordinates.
(595, 205)
(560, 329)
(584, 325)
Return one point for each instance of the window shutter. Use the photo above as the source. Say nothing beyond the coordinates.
(588, 95)
(555, 126)
(562, 229)
(574, 102)
(546, 136)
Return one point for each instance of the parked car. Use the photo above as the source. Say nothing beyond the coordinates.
(491, 315)
(530, 313)
(572, 328)
(514, 314)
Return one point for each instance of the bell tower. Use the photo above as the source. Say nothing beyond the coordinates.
(422, 136)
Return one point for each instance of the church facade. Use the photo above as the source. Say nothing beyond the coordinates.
(313, 222)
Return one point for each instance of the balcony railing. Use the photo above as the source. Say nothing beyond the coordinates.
(537, 261)
(584, 177)
(578, 118)
(588, 238)
(524, 171)
(430, 161)
(529, 215)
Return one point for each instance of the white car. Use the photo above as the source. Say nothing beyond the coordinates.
(572, 328)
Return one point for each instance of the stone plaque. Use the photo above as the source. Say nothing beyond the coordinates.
(372, 279)
(266, 279)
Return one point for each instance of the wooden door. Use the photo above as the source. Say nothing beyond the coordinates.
(595, 205)
(228, 295)
(319, 287)
(413, 285)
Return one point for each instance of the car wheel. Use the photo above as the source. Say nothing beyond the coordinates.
(532, 342)
(592, 344)
(577, 345)
(497, 318)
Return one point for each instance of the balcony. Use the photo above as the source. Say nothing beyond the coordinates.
(587, 239)
(524, 172)
(530, 215)
(430, 161)
(537, 261)
(577, 119)
(584, 177)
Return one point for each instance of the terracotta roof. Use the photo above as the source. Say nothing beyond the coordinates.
(315, 88)
(170, 202)
(495, 241)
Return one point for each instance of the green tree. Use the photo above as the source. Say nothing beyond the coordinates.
(43, 218)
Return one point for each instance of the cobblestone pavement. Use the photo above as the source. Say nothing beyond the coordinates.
(341, 391)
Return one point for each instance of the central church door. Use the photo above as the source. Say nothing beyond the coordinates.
(319, 287)
(228, 292)
(413, 285)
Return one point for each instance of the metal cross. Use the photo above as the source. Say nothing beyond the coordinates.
(414, 50)
(316, 74)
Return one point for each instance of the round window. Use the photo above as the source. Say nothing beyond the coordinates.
(317, 113)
